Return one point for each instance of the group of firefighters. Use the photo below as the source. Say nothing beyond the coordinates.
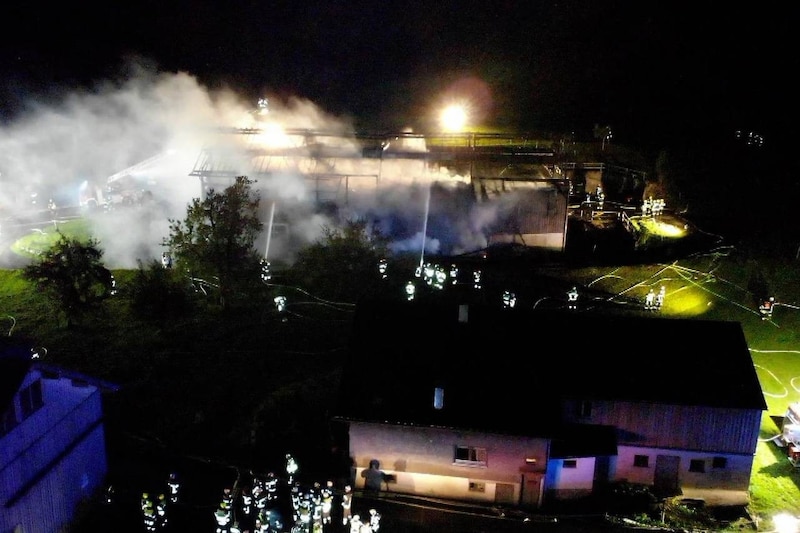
(654, 300)
(257, 507)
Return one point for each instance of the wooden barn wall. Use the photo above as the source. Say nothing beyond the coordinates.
(678, 426)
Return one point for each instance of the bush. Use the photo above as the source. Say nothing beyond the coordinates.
(157, 293)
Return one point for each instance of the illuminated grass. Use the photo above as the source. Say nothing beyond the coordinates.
(658, 227)
(40, 239)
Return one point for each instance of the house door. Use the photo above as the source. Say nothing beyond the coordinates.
(531, 490)
(666, 481)
(601, 471)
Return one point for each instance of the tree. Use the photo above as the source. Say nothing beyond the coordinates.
(215, 242)
(343, 264)
(72, 273)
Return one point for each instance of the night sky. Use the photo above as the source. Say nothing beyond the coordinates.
(653, 71)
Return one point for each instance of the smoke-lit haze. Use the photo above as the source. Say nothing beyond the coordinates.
(88, 136)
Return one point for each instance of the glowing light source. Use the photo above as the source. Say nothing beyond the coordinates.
(454, 118)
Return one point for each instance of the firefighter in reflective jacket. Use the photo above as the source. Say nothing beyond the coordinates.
(355, 524)
(161, 511)
(271, 485)
(766, 308)
(305, 512)
(260, 497)
(223, 518)
(347, 504)
(296, 496)
(174, 487)
(150, 519)
(374, 520)
(247, 502)
(148, 512)
(316, 502)
(291, 468)
(327, 502)
(572, 298)
(146, 501)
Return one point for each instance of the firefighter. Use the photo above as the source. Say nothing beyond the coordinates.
(374, 520)
(247, 502)
(227, 499)
(316, 505)
(509, 299)
(271, 485)
(410, 290)
(304, 513)
(150, 519)
(453, 274)
(174, 487)
(291, 468)
(161, 511)
(649, 300)
(766, 308)
(347, 504)
(647, 206)
(572, 298)
(327, 502)
(660, 297)
(146, 501)
(296, 495)
(259, 497)
(148, 512)
(223, 518)
(266, 276)
(261, 524)
(166, 260)
(109, 495)
(440, 277)
(355, 524)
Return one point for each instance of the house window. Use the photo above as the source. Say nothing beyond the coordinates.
(570, 463)
(641, 461)
(477, 486)
(30, 398)
(719, 462)
(470, 455)
(9, 420)
(697, 465)
(584, 409)
(438, 398)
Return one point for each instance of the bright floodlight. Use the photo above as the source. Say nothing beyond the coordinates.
(454, 118)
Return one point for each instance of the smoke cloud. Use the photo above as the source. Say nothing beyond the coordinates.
(62, 150)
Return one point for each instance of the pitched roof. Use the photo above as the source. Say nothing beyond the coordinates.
(16, 362)
(507, 370)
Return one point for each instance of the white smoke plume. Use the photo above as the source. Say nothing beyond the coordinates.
(56, 150)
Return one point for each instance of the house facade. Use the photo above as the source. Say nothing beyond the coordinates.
(518, 407)
(52, 443)
(447, 463)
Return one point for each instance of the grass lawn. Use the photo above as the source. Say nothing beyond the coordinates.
(43, 238)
